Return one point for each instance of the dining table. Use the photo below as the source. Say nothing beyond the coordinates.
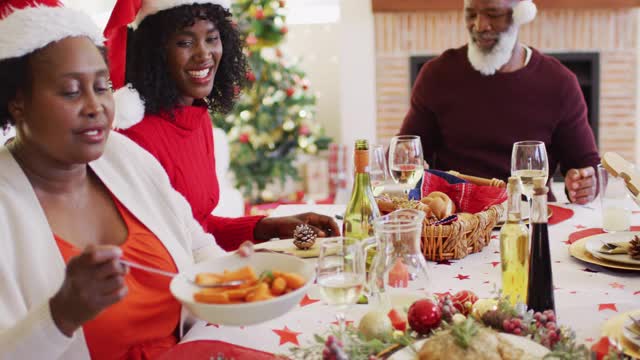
(586, 295)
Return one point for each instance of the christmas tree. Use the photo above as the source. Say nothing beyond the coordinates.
(274, 119)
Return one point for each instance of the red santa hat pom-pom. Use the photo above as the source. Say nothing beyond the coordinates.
(524, 12)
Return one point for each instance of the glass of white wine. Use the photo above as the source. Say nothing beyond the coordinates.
(529, 161)
(406, 161)
(341, 273)
(378, 171)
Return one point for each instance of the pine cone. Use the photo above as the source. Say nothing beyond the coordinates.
(495, 318)
(304, 237)
(634, 248)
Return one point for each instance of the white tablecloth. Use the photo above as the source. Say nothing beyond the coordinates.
(586, 295)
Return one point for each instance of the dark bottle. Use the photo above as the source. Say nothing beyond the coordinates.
(540, 289)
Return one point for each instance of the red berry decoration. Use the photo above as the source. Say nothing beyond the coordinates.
(243, 138)
(424, 315)
(259, 14)
(290, 92)
(398, 320)
(463, 300)
(251, 76)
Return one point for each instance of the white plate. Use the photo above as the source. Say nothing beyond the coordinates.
(530, 348)
(594, 243)
(631, 337)
(245, 313)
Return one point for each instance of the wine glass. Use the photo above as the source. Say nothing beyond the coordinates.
(529, 161)
(341, 273)
(406, 161)
(378, 169)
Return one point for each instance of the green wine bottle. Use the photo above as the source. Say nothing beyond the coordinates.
(362, 208)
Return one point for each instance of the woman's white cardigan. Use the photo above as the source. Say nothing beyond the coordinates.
(31, 266)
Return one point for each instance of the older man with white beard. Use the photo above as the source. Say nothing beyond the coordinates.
(471, 104)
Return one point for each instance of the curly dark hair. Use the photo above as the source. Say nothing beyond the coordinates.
(147, 68)
(13, 77)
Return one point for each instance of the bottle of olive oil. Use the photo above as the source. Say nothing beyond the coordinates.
(540, 290)
(362, 208)
(514, 248)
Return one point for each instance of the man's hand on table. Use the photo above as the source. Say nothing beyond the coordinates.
(283, 227)
(581, 185)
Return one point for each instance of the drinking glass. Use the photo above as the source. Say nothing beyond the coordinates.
(341, 273)
(378, 169)
(406, 161)
(529, 161)
(614, 200)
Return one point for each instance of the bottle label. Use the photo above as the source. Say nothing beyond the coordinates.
(361, 161)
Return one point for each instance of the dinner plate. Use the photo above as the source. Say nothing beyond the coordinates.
(614, 328)
(629, 335)
(579, 251)
(530, 348)
(286, 246)
(595, 242)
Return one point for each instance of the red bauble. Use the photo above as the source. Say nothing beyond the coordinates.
(284, 30)
(243, 138)
(251, 76)
(282, 3)
(259, 14)
(290, 92)
(463, 300)
(424, 316)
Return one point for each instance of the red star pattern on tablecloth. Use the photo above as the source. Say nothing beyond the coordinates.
(487, 282)
(588, 339)
(306, 300)
(462, 277)
(214, 325)
(616, 285)
(287, 336)
(573, 292)
(603, 307)
(495, 263)
(440, 295)
(636, 293)
(580, 227)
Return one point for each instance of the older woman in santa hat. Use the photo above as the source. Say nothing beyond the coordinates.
(185, 60)
(75, 199)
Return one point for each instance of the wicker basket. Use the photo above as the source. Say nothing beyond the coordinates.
(468, 235)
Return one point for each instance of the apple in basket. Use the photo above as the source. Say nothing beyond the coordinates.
(271, 285)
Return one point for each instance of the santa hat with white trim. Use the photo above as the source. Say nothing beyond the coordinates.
(524, 12)
(29, 25)
(125, 14)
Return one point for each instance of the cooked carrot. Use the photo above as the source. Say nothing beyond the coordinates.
(278, 286)
(246, 273)
(294, 281)
(208, 279)
(240, 293)
(261, 292)
(210, 297)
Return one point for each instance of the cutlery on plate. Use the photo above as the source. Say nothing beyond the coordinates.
(172, 275)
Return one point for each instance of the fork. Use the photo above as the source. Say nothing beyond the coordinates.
(172, 275)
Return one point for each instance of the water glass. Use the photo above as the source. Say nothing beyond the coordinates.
(614, 201)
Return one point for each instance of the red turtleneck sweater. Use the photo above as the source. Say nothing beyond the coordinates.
(184, 147)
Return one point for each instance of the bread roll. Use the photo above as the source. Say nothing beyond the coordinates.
(440, 204)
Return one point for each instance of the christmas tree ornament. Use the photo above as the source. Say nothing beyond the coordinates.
(424, 315)
(304, 237)
(464, 300)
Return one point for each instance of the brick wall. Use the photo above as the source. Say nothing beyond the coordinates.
(613, 33)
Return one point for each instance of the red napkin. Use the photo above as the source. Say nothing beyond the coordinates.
(591, 231)
(559, 214)
(210, 349)
(468, 197)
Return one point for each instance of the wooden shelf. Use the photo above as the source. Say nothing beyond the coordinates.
(443, 5)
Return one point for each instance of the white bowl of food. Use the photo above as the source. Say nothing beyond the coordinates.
(252, 302)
